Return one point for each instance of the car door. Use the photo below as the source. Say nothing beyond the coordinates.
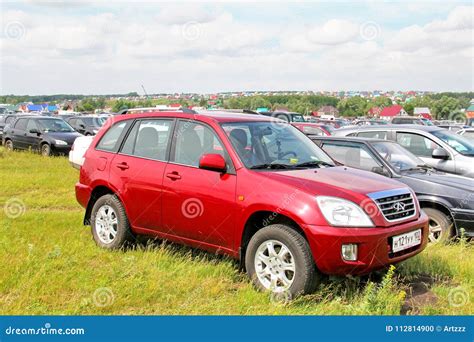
(423, 147)
(32, 140)
(198, 204)
(138, 169)
(18, 133)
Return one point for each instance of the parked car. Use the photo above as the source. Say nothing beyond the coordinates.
(437, 147)
(78, 150)
(411, 120)
(467, 133)
(40, 133)
(86, 125)
(313, 129)
(447, 199)
(370, 122)
(5, 121)
(248, 186)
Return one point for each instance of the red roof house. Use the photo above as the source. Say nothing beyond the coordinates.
(374, 111)
(392, 111)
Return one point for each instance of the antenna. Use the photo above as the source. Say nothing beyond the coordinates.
(144, 91)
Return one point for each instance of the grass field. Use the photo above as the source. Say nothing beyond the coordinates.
(50, 265)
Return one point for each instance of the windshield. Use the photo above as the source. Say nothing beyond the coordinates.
(96, 122)
(398, 157)
(262, 145)
(459, 143)
(297, 118)
(54, 125)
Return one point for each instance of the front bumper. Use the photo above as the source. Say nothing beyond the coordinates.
(374, 246)
(61, 149)
(464, 219)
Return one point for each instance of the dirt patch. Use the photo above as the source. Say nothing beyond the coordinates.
(419, 294)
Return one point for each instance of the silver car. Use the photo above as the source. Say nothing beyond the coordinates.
(437, 147)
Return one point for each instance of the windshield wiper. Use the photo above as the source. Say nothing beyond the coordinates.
(419, 167)
(317, 163)
(271, 166)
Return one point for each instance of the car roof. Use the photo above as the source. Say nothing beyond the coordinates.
(216, 116)
(355, 139)
(391, 127)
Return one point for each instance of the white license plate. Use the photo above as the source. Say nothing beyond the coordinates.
(407, 240)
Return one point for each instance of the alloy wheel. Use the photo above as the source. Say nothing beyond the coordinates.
(435, 231)
(275, 266)
(106, 224)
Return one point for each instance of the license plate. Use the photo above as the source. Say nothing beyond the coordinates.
(405, 241)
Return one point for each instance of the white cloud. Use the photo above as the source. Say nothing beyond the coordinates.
(192, 47)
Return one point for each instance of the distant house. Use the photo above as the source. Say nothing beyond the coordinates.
(327, 110)
(374, 112)
(470, 111)
(41, 108)
(423, 112)
(390, 112)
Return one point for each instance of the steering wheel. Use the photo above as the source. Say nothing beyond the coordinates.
(284, 154)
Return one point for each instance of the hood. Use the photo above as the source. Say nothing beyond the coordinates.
(340, 178)
(444, 179)
(68, 137)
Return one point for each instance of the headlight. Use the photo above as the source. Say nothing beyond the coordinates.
(95, 131)
(344, 213)
(60, 142)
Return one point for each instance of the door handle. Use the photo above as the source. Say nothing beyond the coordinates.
(173, 175)
(123, 166)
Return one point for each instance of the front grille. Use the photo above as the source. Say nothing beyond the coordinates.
(395, 205)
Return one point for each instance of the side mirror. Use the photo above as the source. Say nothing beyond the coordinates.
(212, 162)
(82, 126)
(35, 131)
(380, 170)
(440, 153)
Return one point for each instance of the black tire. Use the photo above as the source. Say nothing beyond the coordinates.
(45, 150)
(445, 224)
(124, 234)
(305, 277)
(9, 145)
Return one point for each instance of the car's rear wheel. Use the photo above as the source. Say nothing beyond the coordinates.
(9, 145)
(109, 223)
(278, 259)
(45, 150)
(440, 225)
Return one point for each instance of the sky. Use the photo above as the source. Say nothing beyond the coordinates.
(109, 47)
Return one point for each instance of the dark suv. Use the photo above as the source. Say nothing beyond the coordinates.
(40, 133)
(87, 125)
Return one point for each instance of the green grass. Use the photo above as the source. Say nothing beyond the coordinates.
(50, 265)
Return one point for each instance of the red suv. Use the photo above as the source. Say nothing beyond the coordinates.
(249, 186)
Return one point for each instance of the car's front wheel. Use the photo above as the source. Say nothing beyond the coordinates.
(440, 226)
(109, 223)
(9, 145)
(45, 150)
(278, 259)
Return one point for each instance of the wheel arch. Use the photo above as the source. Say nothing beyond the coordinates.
(96, 193)
(435, 203)
(260, 219)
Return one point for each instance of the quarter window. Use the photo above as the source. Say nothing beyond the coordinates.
(109, 141)
(373, 134)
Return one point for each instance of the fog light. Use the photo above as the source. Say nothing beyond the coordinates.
(349, 252)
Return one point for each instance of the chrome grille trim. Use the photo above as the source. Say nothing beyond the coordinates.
(385, 200)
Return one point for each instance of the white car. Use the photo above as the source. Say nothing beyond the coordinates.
(79, 148)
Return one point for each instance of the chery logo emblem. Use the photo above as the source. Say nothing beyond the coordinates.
(398, 206)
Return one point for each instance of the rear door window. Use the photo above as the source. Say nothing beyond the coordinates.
(149, 139)
(21, 124)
